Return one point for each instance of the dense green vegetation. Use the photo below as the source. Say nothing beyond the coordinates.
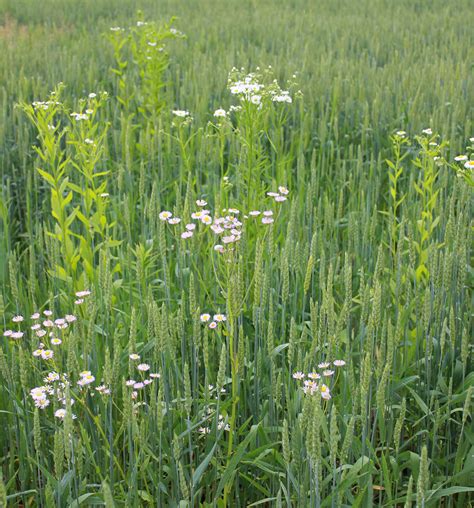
(235, 253)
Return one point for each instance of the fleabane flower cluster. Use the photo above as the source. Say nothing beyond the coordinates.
(315, 382)
(212, 321)
(256, 87)
(144, 378)
(45, 327)
(228, 226)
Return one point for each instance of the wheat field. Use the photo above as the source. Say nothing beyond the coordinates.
(235, 253)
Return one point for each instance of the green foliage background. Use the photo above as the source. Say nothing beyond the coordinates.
(341, 274)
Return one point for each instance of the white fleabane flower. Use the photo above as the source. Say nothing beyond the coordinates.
(181, 113)
(47, 354)
(60, 413)
(220, 113)
(165, 215)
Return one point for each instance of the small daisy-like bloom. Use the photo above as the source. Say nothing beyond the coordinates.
(469, 165)
(220, 113)
(82, 294)
(103, 390)
(217, 229)
(267, 220)
(36, 327)
(130, 382)
(273, 194)
(70, 318)
(234, 211)
(143, 367)
(460, 158)
(219, 248)
(471, 140)
(206, 220)
(48, 323)
(38, 392)
(48, 312)
(86, 380)
(323, 365)
(155, 375)
(165, 215)
(314, 375)
(17, 319)
(280, 199)
(339, 363)
(59, 321)
(325, 393)
(79, 301)
(182, 113)
(85, 373)
(138, 386)
(328, 373)
(17, 335)
(7, 333)
(197, 215)
(428, 131)
(55, 341)
(92, 95)
(283, 97)
(205, 317)
(147, 381)
(47, 354)
(174, 220)
(254, 213)
(190, 227)
(51, 377)
(40, 333)
(60, 413)
(229, 239)
(186, 234)
(298, 375)
(402, 134)
(134, 356)
(268, 213)
(42, 403)
(36, 315)
(201, 202)
(283, 190)
(37, 352)
(204, 430)
(309, 386)
(220, 317)
(213, 325)
(256, 99)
